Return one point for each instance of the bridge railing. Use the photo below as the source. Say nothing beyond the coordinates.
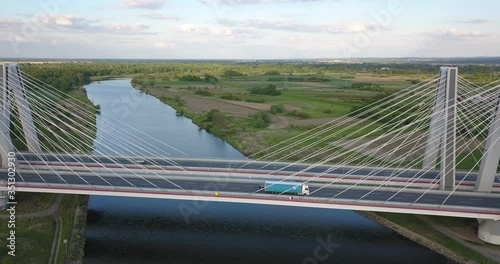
(215, 195)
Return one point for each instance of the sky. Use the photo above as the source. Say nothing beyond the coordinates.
(248, 29)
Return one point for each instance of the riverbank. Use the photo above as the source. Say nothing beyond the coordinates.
(249, 140)
(76, 243)
(414, 236)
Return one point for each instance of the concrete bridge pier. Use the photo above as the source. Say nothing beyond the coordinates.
(441, 140)
(489, 231)
(3, 200)
(13, 91)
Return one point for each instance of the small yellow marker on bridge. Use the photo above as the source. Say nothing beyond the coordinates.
(216, 193)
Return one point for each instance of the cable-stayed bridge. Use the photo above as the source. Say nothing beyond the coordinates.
(430, 149)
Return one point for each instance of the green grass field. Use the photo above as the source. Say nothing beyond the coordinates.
(33, 240)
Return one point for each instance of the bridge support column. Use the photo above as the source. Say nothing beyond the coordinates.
(489, 231)
(441, 141)
(491, 154)
(16, 85)
(5, 139)
(4, 197)
(3, 200)
(13, 90)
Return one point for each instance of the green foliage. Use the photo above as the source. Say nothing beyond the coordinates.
(272, 72)
(268, 90)
(190, 78)
(368, 87)
(298, 79)
(394, 113)
(260, 119)
(175, 102)
(232, 73)
(255, 100)
(203, 92)
(277, 109)
(179, 112)
(62, 78)
(150, 83)
(217, 118)
(210, 79)
(230, 96)
(299, 114)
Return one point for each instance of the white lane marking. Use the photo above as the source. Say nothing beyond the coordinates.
(330, 194)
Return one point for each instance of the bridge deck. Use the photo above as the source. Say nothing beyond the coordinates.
(246, 189)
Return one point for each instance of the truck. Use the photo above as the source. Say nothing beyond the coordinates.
(297, 188)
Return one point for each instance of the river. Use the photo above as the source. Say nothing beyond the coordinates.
(133, 230)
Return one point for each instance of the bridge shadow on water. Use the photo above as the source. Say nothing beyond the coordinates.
(131, 230)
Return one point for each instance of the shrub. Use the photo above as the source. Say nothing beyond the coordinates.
(298, 114)
(203, 92)
(179, 112)
(255, 100)
(269, 90)
(190, 78)
(273, 72)
(230, 97)
(277, 109)
(211, 79)
(217, 118)
(260, 119)
(232, 73)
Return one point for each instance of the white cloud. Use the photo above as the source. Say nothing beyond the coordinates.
(457, 34)
(473, 21)
(187, 28)
(159, 16)
(145, 4)
(249, 2)
(163, 45)
(78, 24)
(294, 25)
(63, 21)
(227, 32)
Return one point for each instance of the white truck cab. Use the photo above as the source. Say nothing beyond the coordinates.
(305, 189)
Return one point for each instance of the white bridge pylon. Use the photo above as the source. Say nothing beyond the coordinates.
(441, 140)
(491, 154)
(13, 92)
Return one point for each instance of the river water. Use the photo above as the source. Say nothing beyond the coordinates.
(134, 230)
